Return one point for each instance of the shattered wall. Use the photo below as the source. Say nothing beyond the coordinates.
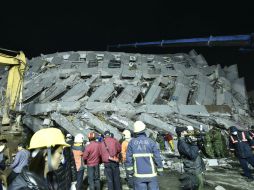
(82, 91)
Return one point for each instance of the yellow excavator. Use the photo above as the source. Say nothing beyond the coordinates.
(16, 64)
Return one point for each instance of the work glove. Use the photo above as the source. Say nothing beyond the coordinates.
(73, 185)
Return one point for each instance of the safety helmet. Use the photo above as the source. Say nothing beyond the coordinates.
(46, 138)
(139, 126)
(91, 135)
(233, 129)
(190, 128)
(127, 134)
(79, 138)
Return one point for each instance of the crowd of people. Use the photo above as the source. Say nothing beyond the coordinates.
(55, 160)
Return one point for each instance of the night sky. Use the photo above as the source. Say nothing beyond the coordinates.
(43, 27)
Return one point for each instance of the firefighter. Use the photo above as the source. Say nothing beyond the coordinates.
(143, 159)
(241, 143)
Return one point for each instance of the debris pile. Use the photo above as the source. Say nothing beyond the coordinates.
(83, 91)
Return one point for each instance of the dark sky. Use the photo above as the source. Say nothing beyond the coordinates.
(49, 26)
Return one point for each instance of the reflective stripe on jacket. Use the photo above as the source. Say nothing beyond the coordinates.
(143, 157)
(241, 143)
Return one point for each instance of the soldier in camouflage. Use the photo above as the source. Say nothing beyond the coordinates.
(208, 145)
(217, 143)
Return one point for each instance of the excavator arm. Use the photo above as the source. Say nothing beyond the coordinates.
(14, 83)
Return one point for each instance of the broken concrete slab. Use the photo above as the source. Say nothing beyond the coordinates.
(45, 108)
(62, 121)
(157, 123)
(78, 90)
(98, 124)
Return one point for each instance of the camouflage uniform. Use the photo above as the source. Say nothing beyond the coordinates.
(217, 143)
(208, 145)
(160, 140)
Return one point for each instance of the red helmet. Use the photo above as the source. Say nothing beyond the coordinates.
(91, 135)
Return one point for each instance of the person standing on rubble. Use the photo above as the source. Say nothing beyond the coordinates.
(67, 172)
(47, 145)
(77, 150)
(190, 154)
(20, 161)
(92, 158)
(251, 131)
(127, 138)
(142, 159)
(208, 146)
(110, 149)
(241, 143)
(217, 143)
(169, 142)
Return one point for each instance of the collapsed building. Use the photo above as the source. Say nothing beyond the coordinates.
(85, 90)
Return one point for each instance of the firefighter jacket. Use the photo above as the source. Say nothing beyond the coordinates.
(143, 158)
(241, 144)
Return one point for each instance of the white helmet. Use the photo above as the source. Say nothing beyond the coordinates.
(190, 128)
(139, 126)
(79, 138)
(127, 134)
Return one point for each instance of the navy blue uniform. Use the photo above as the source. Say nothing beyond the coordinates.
(242, 144)
(143, 160)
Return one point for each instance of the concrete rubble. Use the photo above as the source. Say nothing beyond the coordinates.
(110, 90)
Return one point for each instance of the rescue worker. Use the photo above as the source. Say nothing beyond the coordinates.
(67, 172)
(169, 142)
(190, 154)
(127, 138)
(160, 140)
(20, 161)
(48, 146)
(208, 146)
(110, 150)
(217, 143)
(241, 143)
(92, 158)
(143, 159)
(252, 131)
(77, 150)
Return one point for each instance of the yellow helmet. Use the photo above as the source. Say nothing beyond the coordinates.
(48, 137)
(139, 126)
